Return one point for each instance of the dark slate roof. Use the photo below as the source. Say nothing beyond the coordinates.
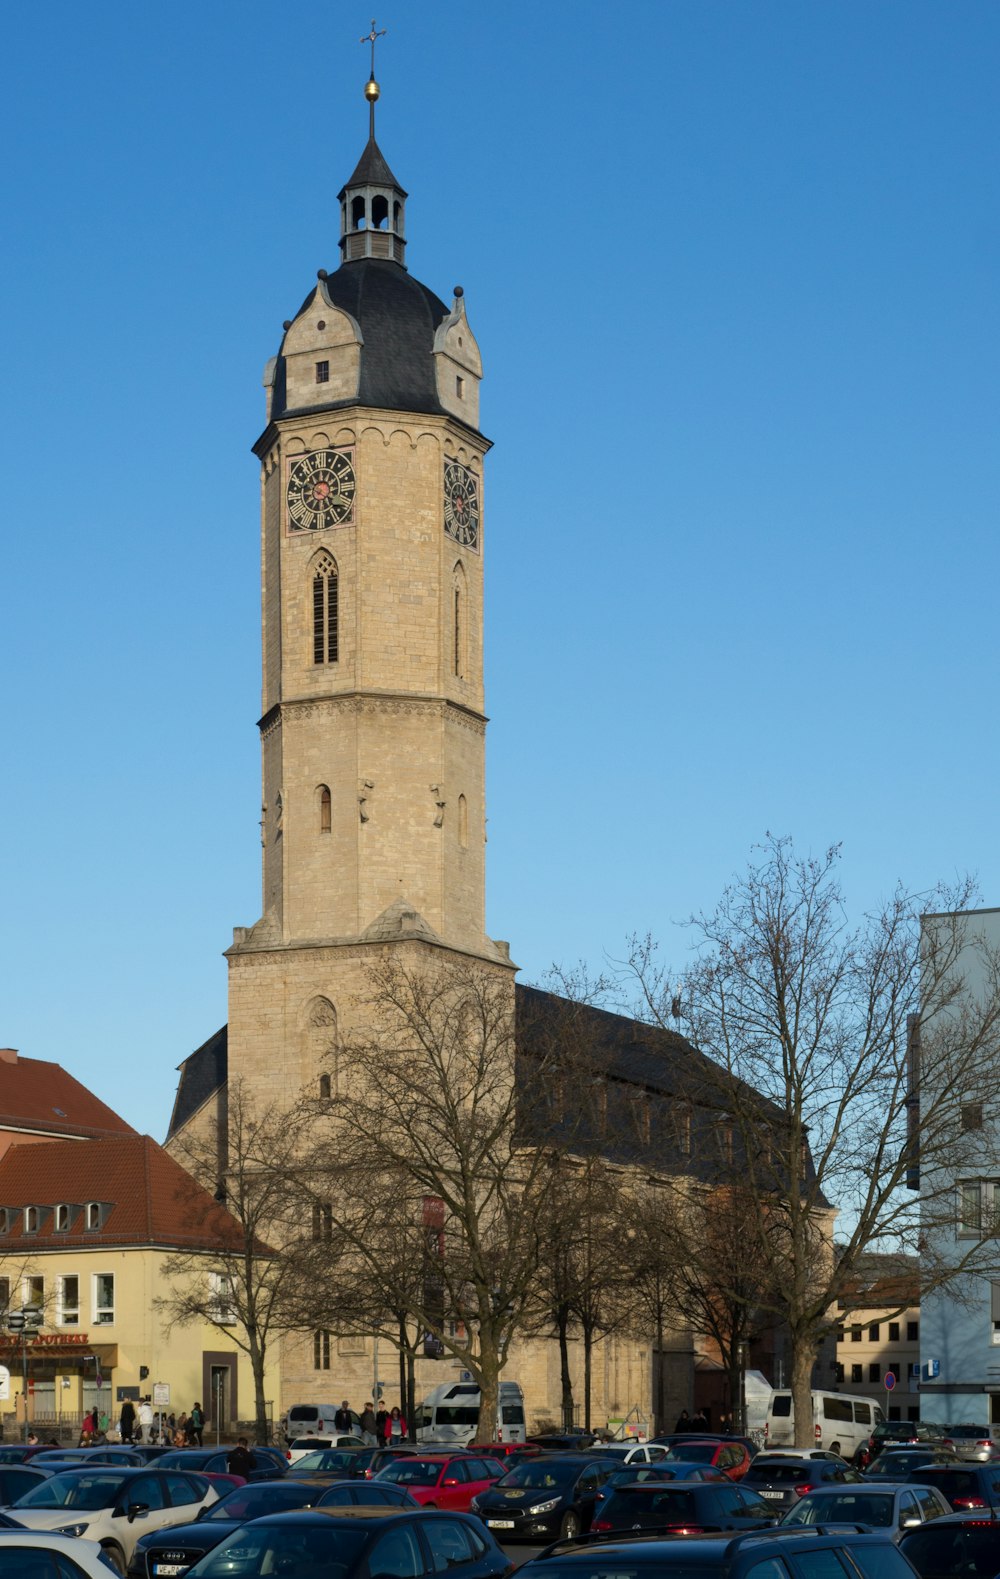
(398, 318)
(372, 170)
(202, 1074)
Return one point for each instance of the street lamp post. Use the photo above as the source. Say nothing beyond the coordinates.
(24, 1323)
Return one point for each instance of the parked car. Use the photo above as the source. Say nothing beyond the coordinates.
(726, 1454)
(22, 1452)
(898, 1463)
(377, 1458)
(966, 1487)
(313, 1444)
(113, 1506)
(959, 1544)
(16, 1479)
(678, 1438)
(336, 1461)
(271, 1461)
(564, 1441)
(352, 1543)
(318, 1418)
(971, 1442)
(551, 1495)
(643, 1474)
(634, 1452)
(443, 1480)
(63, 1457)
(823, 1453)
(902, 1433)
(805, 1554)
(179, 1548)
(891, 1508)
(782, 1481)
(685, 1507)
(27, 1554)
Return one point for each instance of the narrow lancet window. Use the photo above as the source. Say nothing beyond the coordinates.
(326, 611)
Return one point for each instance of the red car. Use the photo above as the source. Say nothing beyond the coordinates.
(729, 1456)
(443, 1480)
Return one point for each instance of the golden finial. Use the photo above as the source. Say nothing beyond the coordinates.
(372, 89)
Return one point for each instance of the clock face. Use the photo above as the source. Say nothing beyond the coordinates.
(320, 490)
(461, 504)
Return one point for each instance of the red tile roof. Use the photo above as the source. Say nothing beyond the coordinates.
(151, 1199)
(35, 1095)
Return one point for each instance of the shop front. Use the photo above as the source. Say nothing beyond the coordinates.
(67, 1375)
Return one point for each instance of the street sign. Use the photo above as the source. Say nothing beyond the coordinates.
(161, 1395)
(890, 1381)
(4, 1384)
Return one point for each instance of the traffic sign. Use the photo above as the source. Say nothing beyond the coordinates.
(890, 1381)
(4, 1384)
(161, 1395)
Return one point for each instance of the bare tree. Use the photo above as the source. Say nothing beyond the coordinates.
(434, 1075)
(243, 1195)
(810, 1028)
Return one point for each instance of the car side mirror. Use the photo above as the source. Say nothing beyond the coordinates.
(137, 1510)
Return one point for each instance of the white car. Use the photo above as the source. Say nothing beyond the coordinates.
(312, 1444)
(25, 1554)
(633, 1452)
(767, 1454)
(114, 1506)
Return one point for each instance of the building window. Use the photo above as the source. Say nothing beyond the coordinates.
(970, 1208)
(326, 634)
(324, 1088)
(104, 1299)
(31, 1219)
(93, 1216)
(913, 1332)
(68, 1301)
(893, 1370)
(321, 1351)
(857, 1373)
(322, 372)
(460, 387)
(841, 1334)
(463, 822)
(6, 1220)
(874, 1373)
(893, 1331)
(458, 632)
(325, 810)
(855, 1334)
(34, 1292)
(63, 1219)
(322, 1221)
(873, 1333)
(972, 1116)
(840, 1373)
(221, 1303)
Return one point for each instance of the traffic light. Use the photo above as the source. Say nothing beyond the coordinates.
(143, 1372)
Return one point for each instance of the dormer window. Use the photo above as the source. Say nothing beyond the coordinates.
(6, 1220)
(64, 1217)
(93, 1214)
(32, 1218)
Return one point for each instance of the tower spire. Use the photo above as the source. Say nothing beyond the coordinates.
(372, 89)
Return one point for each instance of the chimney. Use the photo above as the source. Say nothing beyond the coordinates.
(8, 1055)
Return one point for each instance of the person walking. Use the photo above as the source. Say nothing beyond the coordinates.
(240, 1460)
(342, 1419)
(127, 1425)
(395, 1429)
(381, 1421)
(369, 1426)
(196, 1424)
(683, 1422)
(146, 1421)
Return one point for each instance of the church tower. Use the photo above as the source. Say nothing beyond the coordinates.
(372, 727)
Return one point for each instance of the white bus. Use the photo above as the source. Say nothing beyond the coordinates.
(841, 1421)
(451, 1414)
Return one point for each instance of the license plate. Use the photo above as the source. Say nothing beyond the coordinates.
(169, 1570)
(499, 1524)
(771, 1494)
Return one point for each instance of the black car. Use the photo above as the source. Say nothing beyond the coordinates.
(767, 1555)
(563, 1441)
(353, 1543)
(271, 1462)
(16, 1479)
(902, 1433)
(182, 1545)
(897, 1463)
(635, 1474)
(686, 1507)
(782, 1481)
(960, 1543)
(551, 1495)
(967, 1487)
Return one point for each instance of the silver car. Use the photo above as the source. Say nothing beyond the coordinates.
(971, 1442)
(882, 1507)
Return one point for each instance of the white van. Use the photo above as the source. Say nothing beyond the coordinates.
(315, 1420)
(841, 1421)
(451, 1414)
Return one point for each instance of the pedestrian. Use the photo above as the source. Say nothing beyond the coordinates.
(342, 1419)
(33, 1440)
(103, 1421)
(197, 1424)
(683, 1423)
(240, 1460)
(395, 1429)
(146, 1420)
(699, 1423)
(179, 1437)
(127, 1423)
(369, 1426)
(381, 1421)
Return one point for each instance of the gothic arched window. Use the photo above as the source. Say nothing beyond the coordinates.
(325, 809)
(459, 622)
(463, 821)
(325, 610)
(319, 1038)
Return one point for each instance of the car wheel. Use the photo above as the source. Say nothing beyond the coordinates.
(116, 1557)
(570, 1527)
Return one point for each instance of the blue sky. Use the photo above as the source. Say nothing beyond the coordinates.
(733, 269)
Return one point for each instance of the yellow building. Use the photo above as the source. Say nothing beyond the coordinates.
(84, 1232)
(878, 1334)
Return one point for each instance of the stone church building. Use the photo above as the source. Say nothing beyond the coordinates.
(373, 731)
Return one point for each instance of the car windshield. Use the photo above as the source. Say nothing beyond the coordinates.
(665, 1501)
(184, 1457)
(539, 1476)
(330, 1459)
(284, 1549)
(953, 1482)
(780, 1474)
(969, 1549)
(413, 1471)
(852, 1507)
(80, 1490)
(250, 1502)
(693, 1452)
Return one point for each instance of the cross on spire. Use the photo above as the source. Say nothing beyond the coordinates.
(371, 86)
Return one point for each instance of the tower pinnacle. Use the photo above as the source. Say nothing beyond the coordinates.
(372, 89)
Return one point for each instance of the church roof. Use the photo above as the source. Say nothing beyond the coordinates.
(146, 1197)
(38, 1096)
(371, 170)
(398, 317)
(202, 1073)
